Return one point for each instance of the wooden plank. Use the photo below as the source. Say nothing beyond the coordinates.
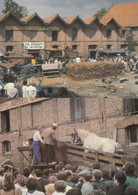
(108, 159)
(104, 153)
(25, 156)
(24, 148)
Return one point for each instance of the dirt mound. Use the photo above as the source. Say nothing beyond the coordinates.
(90, 70)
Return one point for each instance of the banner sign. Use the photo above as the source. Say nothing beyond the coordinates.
(33, 45)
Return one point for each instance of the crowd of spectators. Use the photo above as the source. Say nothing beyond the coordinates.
(69, 180)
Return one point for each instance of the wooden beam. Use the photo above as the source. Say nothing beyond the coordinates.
(91, 150)
(104, 158)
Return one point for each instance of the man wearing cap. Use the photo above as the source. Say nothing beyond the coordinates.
(85, 177)
(50, 141)
(36, 146)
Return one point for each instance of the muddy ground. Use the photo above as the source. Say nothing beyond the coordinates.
(124, 85)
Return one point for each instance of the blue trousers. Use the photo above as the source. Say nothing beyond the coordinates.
(36, 153)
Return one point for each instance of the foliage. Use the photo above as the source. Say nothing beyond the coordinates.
(130, 42)
(10, 5)
(100, 13)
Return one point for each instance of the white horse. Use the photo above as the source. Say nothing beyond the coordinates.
(92, 141)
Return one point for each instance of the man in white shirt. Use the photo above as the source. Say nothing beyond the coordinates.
(31, 91)
(36, 146)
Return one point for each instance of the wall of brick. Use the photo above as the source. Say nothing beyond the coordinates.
(102, 116)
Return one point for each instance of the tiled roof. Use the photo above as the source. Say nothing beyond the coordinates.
(70, 19)
(126, 14)
(88, 20)
(28, 17)
(15, 103)
(4, 16)
(50, 18)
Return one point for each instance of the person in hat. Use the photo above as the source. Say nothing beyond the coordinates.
(36, 146)
(85, 177)
(50, 142)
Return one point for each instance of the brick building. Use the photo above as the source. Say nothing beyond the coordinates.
(35, 35)
(113, 118)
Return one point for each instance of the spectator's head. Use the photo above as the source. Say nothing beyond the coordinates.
(31, 184)
(51, 171)
(60, 186)
(25, 82)
(119, 178)
(46, 172)
(21, 180)
(97, 174)
(26, 172)
(8, 182)
(129, 169)
(68, 175)
(62, 176)
(113, 171)
(58, 168)
(74, 192)
(95, 166)
(37, 173)
(75, 169)
(131, 191)
(75, 179)
(85, 175)
(67, 167)
(50, 189)
(105, 174)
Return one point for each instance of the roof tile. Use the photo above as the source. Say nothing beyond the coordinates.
(88, 20)
(126, 14)
(28, 17)
(15, 103)
(50, 18)
(4, 16)
(70, 19)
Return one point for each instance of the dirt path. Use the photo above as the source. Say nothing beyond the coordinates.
(122, 86)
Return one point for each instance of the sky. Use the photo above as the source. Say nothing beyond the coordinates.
(65, 8)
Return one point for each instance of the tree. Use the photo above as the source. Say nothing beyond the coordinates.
(100, 13)
(130, 42)
(10, 5)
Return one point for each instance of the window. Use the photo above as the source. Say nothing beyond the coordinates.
(109, 33)
(74, 34)
(74, 47)
(109, 46)
(9, 35)
(6, 147)
(55, 46)
(124, 46)
(130, 106)
(54, 35)
(123, 33)
(132, 132)
(9, 48)
(77, 109)
(5, 118)
(92, 47)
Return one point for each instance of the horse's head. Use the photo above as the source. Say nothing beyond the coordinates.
(75, 138)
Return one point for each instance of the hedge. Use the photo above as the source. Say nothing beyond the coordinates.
(90, 70)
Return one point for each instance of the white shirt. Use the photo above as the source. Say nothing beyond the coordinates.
(8, 87)
(58, 193)
(31, 92)
(37, 137)
(13, 93)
